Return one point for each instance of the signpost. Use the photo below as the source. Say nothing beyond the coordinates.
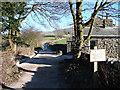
(96, 56)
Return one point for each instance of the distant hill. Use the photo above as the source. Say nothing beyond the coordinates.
(65, 31)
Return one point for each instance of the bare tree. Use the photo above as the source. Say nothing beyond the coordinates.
(98, 7)
(50, 12)
(19, 11)
(31, 37)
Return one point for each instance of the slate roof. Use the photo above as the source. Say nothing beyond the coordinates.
(103, 31)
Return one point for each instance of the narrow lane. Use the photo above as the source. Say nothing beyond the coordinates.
(42, 71)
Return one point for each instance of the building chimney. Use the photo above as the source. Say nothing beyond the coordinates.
(107, 15)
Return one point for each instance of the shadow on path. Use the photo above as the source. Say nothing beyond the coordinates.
(45, 72)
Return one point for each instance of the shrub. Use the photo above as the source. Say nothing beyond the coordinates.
(32, 38)
(109, 75)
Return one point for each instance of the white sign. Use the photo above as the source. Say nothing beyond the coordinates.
(97, 55)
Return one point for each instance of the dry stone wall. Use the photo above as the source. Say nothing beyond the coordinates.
(112, 46)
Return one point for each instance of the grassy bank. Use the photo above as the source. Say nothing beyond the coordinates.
(50, 38)
(63, 41)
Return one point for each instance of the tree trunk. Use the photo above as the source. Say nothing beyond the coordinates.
(14, 48)
(10, 37)
(80, 28)
(75, 29)
(79, 40)
(80, 50)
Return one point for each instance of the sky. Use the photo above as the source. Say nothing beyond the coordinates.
(29, 22)
(64, 22)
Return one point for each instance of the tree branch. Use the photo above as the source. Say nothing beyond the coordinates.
(72, 11)
(27, 15)
(74, 17)
(29, 12)
(92, 22)
(96, 10)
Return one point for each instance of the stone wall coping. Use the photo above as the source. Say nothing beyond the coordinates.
(104, 36)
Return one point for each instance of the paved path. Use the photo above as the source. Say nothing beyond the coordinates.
(42, 71)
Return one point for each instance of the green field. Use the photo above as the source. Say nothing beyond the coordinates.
(63, 41)
(50, 38)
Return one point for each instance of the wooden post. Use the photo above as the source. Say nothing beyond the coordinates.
(95, 71)
(95, 67)
(95, 63)
(97, 55)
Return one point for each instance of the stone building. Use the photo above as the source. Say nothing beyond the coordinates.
(104, 37)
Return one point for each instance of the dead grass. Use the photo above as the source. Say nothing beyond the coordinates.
(10, 72)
